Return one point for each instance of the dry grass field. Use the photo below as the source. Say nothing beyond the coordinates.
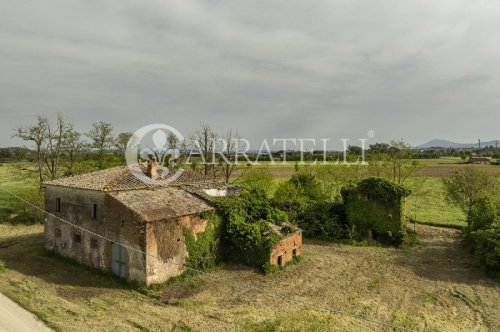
(433, 287)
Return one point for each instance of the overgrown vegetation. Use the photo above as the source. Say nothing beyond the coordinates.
(246, 234)
(2, 266)
(374, 209)
(477, 193)
(376, 214)
(202, 248)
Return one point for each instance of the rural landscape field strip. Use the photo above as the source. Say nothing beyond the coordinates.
(253, 288)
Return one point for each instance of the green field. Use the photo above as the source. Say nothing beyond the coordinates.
(428, 205)
(20, 183)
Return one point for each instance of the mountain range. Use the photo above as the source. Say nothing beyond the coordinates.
(442, 143)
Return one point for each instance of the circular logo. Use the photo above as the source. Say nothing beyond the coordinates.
(152, 152)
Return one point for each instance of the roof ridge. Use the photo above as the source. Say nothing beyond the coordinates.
(117, 179)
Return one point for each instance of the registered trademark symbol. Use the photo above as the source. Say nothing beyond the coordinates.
(371, 133)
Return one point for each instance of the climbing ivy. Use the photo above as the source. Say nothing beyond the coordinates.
(246, 235)
(374, 207)
(203, 251)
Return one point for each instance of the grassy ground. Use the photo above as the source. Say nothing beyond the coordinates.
(432, 286)
(17, 178)
(428, 205)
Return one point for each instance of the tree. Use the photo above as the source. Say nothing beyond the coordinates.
(73, 145)
(402, 166)
(335, 176)
(354, 151)
(121, 142)
(227, 157)
(205, 140)
(466, 186)
(38, 134)
(172, 141)
(257, 178)
(378, 148)
(55, 137)
(101, 139)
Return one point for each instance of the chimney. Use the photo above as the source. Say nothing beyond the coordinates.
(152, 167)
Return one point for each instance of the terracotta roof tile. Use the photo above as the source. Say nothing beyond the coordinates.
(161, 203)
(120, 178)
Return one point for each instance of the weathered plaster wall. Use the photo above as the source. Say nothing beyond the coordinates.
(165, 239)
(286, 248)
(113, 221)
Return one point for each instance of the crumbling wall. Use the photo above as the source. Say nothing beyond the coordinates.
(287, 248)
(165, 239)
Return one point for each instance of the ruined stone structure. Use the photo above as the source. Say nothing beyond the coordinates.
(287, 248)
(141, 217)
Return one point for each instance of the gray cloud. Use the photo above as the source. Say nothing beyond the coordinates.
(268, 68)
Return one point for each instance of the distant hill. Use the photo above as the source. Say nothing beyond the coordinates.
(442, 143)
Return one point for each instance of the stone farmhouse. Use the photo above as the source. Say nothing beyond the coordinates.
(129, 217)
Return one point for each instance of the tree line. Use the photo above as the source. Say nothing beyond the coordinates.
(56, 143)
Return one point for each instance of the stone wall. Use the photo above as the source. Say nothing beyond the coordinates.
(165, 239)
(112, 221)
(287, 248)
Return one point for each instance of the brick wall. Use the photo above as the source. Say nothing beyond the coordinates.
(286, 248)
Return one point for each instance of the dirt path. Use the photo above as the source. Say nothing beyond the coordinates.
(13, 318)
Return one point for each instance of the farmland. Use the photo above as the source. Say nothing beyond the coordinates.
(433, 286)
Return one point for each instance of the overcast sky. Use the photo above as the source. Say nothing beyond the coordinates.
(326, 69)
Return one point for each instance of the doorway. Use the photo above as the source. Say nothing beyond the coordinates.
(280, 260)
(118, 260)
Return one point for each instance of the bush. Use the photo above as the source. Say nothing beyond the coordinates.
(324, 220)
(288, 199)
(2, 267)
(295, 195)
(258, 178)
(487, 249)
(26, 214)
(246, 236)
(482, 215)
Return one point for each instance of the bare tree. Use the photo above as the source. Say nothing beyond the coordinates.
(101, 139)
(227, 156)
(73, 145)
(38, 134)
(54, 145)
(205, 140)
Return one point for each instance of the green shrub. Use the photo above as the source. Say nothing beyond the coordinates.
(487, 249)
(258, 178)
(324, 220)
(2, 267)
(246, 236)
(308, 186)
(288, 199)
(26, 214)
(482, 215)
(295, 195)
